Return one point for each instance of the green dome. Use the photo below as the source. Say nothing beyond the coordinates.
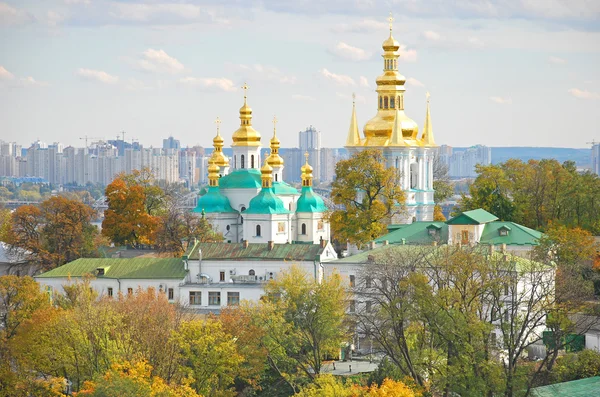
(266, 202)
(202, 191)
(309, 201)
(241, 179)
(213, 201)
(284, 188)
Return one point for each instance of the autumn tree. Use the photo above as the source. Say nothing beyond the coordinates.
(331, 386)
(127, 220)
(369, 194)
(56, 232)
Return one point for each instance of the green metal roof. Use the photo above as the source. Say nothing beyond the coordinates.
(213, 201)
(473, 217)
(140, 268)
(266, 202)
(517, 234)
(309, 201)
(256, 251)
(417, 233)
(241, 179)
(284, 188)
(588, 387)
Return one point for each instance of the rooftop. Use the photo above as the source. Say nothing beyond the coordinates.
(577, 388)
(256, 252)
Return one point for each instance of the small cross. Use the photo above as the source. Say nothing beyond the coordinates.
(427, 95)
(306, 156)
(245, 88)
(218, 123)
(354, 98)
(274, 123)
(391, 21)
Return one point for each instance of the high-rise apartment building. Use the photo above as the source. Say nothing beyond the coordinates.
(462, 163)
(596, 158)
(309, 141)
(171, 143)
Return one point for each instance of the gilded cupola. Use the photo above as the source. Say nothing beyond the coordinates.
(390, 101)
(218, 157)
(306, 171)
(246, 135)
(275, 160)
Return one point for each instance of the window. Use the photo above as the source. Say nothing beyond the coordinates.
(110, 291)
(380, 102)
(368, 282)
(214, 298)
(171, 294)
(506, 315)
(385, 102)
(352, 306)
(221, 276)
(281, 227)
(257, 230)
(506, 289)
(129, 291)
(320, 224)
(233, 298)
(252, 272)
(195, 297)
(368, 306)
(392, 102)
(352, 281)
(234, 161)
(464, 237)
(242, 161)
(252, 161)
(304, 228)
(275, 177)
(432, 232)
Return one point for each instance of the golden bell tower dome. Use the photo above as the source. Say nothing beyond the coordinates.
(274, 159)
(246, 135)
(390, 104)
(218, 157)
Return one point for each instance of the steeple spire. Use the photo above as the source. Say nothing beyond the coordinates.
(397, 138)
(427, 137)
(353, 134)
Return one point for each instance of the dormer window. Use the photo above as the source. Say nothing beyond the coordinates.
(504, 230)
(433, 230)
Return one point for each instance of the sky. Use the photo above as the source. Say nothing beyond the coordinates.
(500, 72)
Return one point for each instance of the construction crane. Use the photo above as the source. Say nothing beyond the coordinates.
(86, 138)
(593, 142)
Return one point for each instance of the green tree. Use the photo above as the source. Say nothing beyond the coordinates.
(370, 196)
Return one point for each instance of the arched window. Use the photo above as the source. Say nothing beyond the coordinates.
(235, 162)
(275, 177)
(304, 228)
(380, 102)
(392, 103)
(385, 102)
(242, 161)
(414, 173)
(252, 161)
(252, 272)
(257, 230)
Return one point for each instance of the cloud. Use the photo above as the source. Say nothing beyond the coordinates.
(31, 82)
(557, 60)
(364, 82)
(163, 14)
(264, 73)
(10, 16)
(136, 85)
(364, 26)
(501, 100)
(407, 55)
(5, 74)
(414, 82)
(96, 75)
(583, 94)
(349, 52)
(431, 35)
(215, 83)
(75, 2)
(159, 61)
(340, 79)
(299, 97)
(53, 18)
(475, 42)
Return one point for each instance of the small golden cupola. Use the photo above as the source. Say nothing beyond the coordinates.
(213, 172)
(219, 157)
(246, 135)
(266, 175)
(390, 100)
(306, 170)
(274, 159)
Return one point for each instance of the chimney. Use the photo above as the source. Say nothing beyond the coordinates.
(385, 242)
(245, 243)
(322, 242)
(270, 245)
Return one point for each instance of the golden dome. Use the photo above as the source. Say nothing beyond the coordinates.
(246, 135)
(274, 159)
(218, 157)
(306, 168)
(213, 169)
(390, 44)
(266, 169)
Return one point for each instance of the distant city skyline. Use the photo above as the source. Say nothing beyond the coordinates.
(499, 73)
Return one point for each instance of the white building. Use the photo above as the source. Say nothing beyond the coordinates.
(462, 164)
(397, 136)
(245, 201)
(210, 277)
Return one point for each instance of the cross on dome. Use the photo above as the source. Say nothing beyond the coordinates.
(427, 95)
(391, 21)
(354, 98)
(218, 123)
(245, 88)
(274, 124)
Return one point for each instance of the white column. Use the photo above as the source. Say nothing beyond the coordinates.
(421, 168)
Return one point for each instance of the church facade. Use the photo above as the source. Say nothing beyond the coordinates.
(247, 199)
(397, 136)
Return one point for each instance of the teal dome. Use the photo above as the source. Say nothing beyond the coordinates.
(203, 191)
(241, 179)
(213, 201)
(309, 201)
(266, 202)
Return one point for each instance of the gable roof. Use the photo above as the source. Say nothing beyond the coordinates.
(473, 217)
(130, 268)
(256, 252)
(577, 388)
(416, 233)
